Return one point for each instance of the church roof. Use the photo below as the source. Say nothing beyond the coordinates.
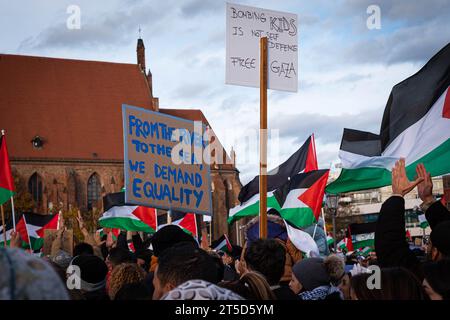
(73, 105)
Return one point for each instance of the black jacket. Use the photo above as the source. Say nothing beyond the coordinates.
(390, 240)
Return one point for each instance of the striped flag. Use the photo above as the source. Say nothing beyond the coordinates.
(415, 126)
(301, 197)
(188, 223)
(6, 180)
(303, 160)
(330, 240)
(222, 244)
(423, 221)
(302, 240)
(119, 215)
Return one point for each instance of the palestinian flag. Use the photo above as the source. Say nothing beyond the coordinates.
(250, 208)
(188, 223)
(301, 197)
(31, 228)
(118, 215)
(104, 232)
(6, 180)
(222, 244)
(415, 126)
(423, 221)
(8, 229)
(303, 160)
(363, 234)
(364, 251)
(330, 240)
(342, 245)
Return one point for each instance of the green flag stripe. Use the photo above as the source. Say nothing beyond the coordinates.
(253, 209)
(5, 195)
(437, 163)
(299, 217)
(126, 224)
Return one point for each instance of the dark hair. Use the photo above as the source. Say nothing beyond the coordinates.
(133, 291)
(120, 255)
(251, 286)
(219, 265)
(82, 248)
(437, 275)
(268, 257)
(183, 262)
(396, 284)
(146, 255)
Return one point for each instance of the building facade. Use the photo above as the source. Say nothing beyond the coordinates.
(63, 125)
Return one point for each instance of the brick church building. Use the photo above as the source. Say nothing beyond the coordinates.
(63, 123)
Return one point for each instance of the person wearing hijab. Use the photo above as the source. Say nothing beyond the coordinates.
(26, 277)
(200, 290)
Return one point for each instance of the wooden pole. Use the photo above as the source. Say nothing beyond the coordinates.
(263, 139)
(3, 226)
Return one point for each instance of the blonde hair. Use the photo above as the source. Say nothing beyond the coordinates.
(125, 273)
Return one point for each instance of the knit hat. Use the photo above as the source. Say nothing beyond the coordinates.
(311, 273)
(62, 259)
(440, 237)
(167, 236)
(93, 271)
(26, 277)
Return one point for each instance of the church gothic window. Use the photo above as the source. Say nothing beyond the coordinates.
(93, 191)
(35, 188)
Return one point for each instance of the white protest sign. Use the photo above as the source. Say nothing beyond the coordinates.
(245, 26)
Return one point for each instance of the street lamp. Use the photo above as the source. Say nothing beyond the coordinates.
(332, 203)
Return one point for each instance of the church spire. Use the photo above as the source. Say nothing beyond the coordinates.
(140, 51)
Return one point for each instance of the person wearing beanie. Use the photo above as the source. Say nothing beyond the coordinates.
(390, 244)
(93, 271)
(26, 277)
(167, 236)
(313, 278)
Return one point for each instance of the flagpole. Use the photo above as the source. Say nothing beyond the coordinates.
(263, 140)
(3, 226)
(13, 214)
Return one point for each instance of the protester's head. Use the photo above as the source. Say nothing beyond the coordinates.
(268, 257)
(394, 284)
(180, 263)
(335, 267)
(200, 290)
(345, 285)
(439, 246)
(143, 258)
(437, 280)
(169, 235)
(219, 265)
(82, 248)
(26, 277)
(309, 274)
(117, 256)
(62, 259)
(125, 273)
(133, 291)
(251, 286)
(93, 271)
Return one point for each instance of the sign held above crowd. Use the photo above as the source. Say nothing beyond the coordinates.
(163, 162)
(245, 26)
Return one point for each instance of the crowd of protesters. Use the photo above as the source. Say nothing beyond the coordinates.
(171, 265)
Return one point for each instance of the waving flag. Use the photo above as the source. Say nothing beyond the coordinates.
(301, 198)
(6, 180)
(415, 126)
(303, 160)
(118, 215)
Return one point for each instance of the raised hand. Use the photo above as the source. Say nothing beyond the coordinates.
(400, 182)
(80, 220)
(16, 240)
(425, 188)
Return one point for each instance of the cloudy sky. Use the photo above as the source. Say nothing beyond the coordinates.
(346, 71)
